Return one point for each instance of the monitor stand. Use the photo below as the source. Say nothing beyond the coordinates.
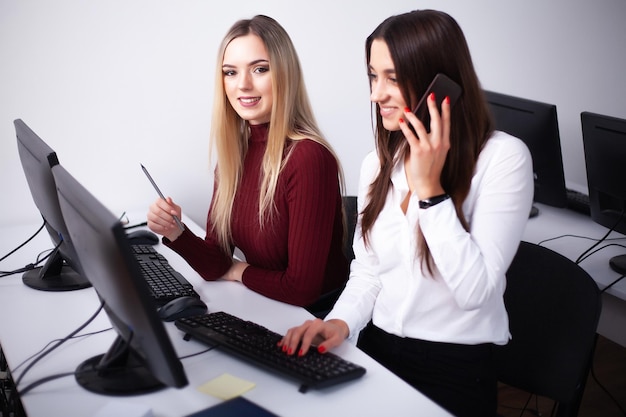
(119, 372)
(55, 275)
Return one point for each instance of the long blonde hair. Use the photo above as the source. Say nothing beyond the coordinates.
(292, 119)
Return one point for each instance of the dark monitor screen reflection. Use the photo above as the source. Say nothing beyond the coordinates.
(61, 272)
(536, 124)
(142, 359)
(604, 140)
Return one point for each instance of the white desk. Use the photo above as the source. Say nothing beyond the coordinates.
(554, 223)
(30, 319)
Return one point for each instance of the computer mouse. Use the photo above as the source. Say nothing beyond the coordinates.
(142, 237)
(534, 211)
(182, 307)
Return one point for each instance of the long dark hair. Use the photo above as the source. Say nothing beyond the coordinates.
(423, 43)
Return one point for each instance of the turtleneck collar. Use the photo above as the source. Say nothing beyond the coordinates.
(258, 133)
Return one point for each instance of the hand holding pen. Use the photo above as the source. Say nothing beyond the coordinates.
(164, 216)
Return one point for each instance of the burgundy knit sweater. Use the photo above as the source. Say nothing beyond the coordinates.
(297, 257)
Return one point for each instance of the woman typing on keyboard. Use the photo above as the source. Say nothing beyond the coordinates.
(442, 209)
(277, 189)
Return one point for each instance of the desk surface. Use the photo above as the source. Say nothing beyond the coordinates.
(571, 234)
(31, 319)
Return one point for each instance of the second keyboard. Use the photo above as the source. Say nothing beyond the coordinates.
(257, 344)
(165, 282)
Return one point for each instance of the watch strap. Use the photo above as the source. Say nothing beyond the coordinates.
(433, 201)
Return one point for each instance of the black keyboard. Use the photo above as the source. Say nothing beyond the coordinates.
(578, 201)
(165, 282)
(256, 344)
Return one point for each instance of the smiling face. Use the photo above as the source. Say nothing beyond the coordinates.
(384, 86)
(247, 79)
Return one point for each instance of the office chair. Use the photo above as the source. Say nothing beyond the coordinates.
(554, 307)
(326, 302)
(350, 209)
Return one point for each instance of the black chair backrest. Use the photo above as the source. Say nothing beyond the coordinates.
(322, 306)
(554, 307)
(349, 207)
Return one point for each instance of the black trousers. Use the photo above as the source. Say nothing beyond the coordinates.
(460, 378)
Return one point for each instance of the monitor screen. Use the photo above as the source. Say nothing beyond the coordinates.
(536, 124)
(142, 359)
(61, 272)
(604, 140)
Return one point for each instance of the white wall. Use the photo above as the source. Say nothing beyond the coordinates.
(110, 84)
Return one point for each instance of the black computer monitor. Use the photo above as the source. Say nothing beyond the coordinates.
(142, 358)
(604, 140)
(61, 272)
(536, 124)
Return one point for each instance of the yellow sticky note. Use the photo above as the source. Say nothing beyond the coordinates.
(226, 387)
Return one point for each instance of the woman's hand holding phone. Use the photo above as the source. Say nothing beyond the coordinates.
(428, 150)
(427, 131)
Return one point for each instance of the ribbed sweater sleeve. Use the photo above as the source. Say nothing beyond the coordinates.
(204, 255)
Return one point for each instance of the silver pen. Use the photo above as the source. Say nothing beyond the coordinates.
(176, 219)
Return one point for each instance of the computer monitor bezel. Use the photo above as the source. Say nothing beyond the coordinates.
(542, 138)
(140, 360)
(61, 272)
(605, 162)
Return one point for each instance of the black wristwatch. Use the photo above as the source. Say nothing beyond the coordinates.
(432, 201)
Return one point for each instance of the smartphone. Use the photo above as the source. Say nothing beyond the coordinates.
(443, 87)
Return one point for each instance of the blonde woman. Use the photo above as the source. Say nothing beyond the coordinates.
(278, 183)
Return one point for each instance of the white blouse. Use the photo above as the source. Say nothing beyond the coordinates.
(463, 301)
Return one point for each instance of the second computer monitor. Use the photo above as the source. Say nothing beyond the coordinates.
(62, 271)
(142, 358)
(604, 140)
(536, 124)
